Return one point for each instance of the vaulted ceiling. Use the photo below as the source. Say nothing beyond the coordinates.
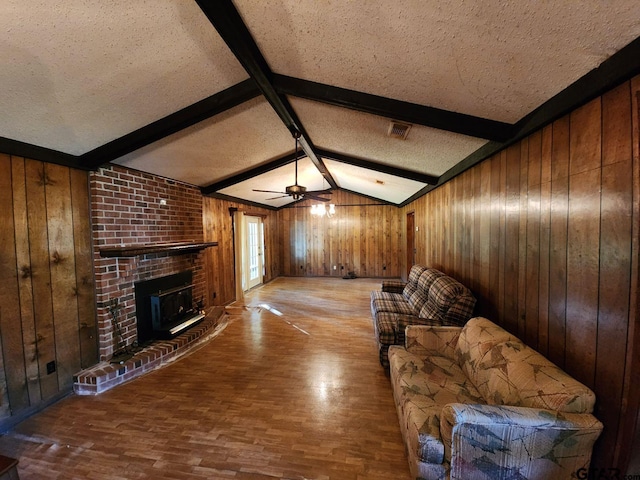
(211, 92)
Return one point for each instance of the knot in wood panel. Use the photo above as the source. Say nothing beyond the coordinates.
(25, 271)
(44, 179)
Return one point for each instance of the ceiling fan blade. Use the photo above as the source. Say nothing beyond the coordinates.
(274, 198)
(319, 192)
(307, 196)
(269, 191)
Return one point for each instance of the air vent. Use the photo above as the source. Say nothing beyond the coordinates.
(399, 130)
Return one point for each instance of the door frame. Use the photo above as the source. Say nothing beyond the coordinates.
(411, 241)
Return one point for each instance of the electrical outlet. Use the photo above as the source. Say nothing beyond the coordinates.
(51, 367)
(335, 267)
(384, 267)
(341, 267)
(214, 294)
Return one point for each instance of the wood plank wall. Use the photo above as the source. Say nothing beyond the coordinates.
(546, 235)
(47, 300)
(219, 261)
(364, 236)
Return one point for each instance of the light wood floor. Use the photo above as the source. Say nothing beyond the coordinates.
(290, 389)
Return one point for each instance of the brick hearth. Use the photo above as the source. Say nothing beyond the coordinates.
(105, 375)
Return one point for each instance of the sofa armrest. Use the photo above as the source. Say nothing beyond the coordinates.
(393, 286)
(491, 440)
(425, 340)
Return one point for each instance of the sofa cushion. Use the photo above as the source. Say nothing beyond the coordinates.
(412, 281)
(511, 373)
(477, 337)
(389, 302)
(462, 309)
(393, 285)
(428, 277)
(415, 273)
(417, 300)
(436, 377)
(507, 372)
(448, 299)
(434, 340)
(420, 295)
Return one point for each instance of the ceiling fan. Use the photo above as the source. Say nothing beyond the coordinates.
(298, 192)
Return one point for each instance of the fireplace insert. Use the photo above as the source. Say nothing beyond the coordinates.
(165, 307)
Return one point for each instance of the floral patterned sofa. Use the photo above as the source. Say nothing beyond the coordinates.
(428, 298)
(477, 403)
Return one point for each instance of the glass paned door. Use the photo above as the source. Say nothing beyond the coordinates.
(254, 250)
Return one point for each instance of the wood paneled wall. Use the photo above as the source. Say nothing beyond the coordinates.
(47, 299)
(219, 261)
(546, 235)
(363, 236)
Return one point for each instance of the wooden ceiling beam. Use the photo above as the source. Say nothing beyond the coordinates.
(27, 150)
(379, 167)
(254, 172)
(227, 21)
(395, 109)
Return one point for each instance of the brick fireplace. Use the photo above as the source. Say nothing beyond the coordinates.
(131, 208)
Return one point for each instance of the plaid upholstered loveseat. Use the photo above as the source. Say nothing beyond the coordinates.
(476, 403)
(428, 298)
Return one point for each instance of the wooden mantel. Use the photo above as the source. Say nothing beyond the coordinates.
(144, 249)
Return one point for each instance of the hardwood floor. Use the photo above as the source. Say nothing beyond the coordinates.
(291, 388)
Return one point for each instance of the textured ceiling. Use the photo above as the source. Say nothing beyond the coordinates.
(77, 74)
(363, 135)
(216, 148)
(208, 92)
(493, 59)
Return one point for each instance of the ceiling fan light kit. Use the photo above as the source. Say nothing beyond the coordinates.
(320, 210)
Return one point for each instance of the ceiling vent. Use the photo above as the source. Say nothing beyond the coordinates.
(399, 130)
